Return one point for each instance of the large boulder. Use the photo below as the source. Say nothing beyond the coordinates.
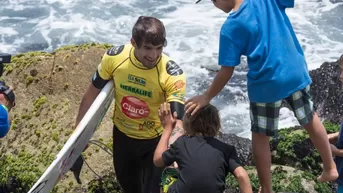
(242, 145)
(326, 90)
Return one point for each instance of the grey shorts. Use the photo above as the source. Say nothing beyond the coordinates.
(265, 116)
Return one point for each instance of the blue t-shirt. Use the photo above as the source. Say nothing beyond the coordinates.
(339, 160)
(261, 30)
(4, 122)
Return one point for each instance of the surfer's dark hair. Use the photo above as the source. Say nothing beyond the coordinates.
(205, 122)
(149, 30)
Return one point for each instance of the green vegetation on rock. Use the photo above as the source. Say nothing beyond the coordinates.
(294, 148)
(107, 183)
(19, 172)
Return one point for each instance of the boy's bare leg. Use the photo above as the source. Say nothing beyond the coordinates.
(262, 158)
(320, 140)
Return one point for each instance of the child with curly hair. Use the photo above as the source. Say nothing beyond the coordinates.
(203, 161)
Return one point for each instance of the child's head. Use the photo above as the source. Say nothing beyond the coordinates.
(340, 63)
(205, 122)
(224, 5)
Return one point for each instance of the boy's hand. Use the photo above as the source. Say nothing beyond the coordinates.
(333, 137)
(193, 104)
(334, 150)
(168, 120)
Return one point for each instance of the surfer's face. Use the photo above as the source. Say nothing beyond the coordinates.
(224, 5)
(148, 54)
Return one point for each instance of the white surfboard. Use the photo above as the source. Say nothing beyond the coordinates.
(76, 142)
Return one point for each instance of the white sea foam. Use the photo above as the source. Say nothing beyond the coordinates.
(192, 32)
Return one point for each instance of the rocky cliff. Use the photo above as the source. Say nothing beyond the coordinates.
(49, 87)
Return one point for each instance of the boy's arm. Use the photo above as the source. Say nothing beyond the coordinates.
(333, 137)
(243, 180)
(335, 151)
(222, 77)
(177, 132)
(239, 172)
(228, 57)
(195, 103)
(162, 147)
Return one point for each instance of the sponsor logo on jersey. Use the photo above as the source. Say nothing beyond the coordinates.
(134, 108)
(115, 50)
(173, 69)
(179, 85)
(147, 125)
(135, 90)
(136, 80)
(179, 96)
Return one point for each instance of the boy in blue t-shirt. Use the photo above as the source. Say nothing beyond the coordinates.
(337, 143)
(261, 30)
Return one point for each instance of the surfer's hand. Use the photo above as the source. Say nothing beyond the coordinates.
(168, 119)
(85, 147)
(193, 104)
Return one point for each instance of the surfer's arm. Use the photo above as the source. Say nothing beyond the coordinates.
(87, 100)
(243, 180)
(175, 87)
(101, 76)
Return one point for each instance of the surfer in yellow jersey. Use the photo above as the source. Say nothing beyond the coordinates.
(144, 78)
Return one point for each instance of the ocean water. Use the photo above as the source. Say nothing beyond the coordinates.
(192, 32)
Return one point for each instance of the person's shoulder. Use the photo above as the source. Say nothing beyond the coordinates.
(115, 55)
(233, 27)
(169, 67)
(179, 141)
(3, 109)
(118, 50)
(224, 146)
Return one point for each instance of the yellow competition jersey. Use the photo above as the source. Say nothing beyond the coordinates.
(140, 91)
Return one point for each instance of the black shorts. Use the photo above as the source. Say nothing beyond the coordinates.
(133, 163)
